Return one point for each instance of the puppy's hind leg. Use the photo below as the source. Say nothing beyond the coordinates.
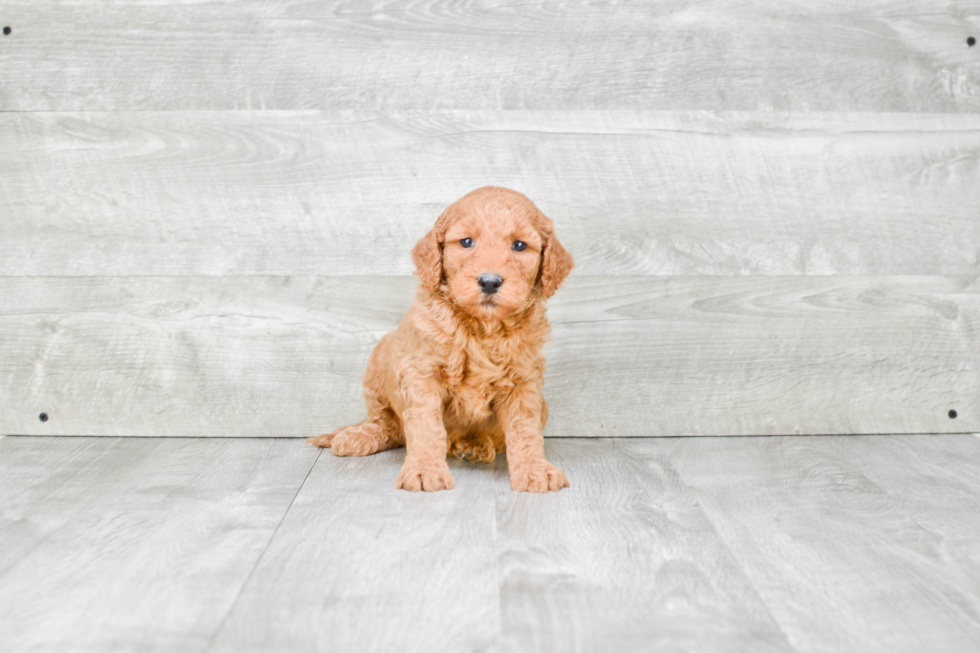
(361, 439)
(478, 444)
(382, 429)
(379, 432)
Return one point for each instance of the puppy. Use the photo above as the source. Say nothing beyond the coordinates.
(462, 374)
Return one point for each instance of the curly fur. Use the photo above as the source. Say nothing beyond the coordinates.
(463, 372)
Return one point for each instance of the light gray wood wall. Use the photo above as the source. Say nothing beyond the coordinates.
(875, 55)
(348, 193)
(283, 356)
(206, 208)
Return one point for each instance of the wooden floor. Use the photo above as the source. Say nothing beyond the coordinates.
(841, 543)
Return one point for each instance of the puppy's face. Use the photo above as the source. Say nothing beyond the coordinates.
(494, 251)
(490, 261)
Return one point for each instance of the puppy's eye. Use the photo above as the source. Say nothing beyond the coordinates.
(519, 246)
(466, 242)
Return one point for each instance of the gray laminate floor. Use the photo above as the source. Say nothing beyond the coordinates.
(855, 543)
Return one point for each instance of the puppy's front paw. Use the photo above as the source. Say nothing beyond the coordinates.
(427, 475)
(537, 476)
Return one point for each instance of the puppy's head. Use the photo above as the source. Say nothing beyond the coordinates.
(494, 252)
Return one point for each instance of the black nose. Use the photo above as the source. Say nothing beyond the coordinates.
(489, 283)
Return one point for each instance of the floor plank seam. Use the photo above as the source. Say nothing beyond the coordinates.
(780, 627)
(258, 559)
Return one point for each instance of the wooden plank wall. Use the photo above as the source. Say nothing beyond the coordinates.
(206, 209)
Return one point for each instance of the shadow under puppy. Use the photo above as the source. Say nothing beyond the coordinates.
(463, 372)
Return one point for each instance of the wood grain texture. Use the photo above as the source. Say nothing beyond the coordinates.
(941, 496)
(837, 557)
(349, 193)
(251, 356)
(787, 355)
(683, 544)
(623, 560)
(640, 356)
(894, 55)
(122, 544)
(360, 566)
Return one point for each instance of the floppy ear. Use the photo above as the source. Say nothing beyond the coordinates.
(556, 263)
(427, 255)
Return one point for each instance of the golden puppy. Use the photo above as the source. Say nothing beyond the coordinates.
(462, 374)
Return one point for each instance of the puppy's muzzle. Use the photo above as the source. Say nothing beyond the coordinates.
(489, 283)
